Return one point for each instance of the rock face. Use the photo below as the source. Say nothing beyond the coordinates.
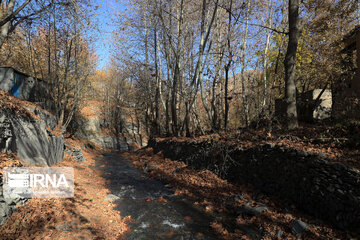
(92, 130)
(8, 206)
(32, 138)
(75, 152)
(323, 189)
(94, 123)
(118, 143)
(29, 132)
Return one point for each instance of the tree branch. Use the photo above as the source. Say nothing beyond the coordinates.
(14, 13)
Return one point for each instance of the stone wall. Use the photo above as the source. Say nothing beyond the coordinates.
(6, 79)
(323, 189)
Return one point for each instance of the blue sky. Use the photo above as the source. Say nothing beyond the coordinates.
(104, 18)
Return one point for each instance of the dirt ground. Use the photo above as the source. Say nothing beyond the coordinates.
(86, 216)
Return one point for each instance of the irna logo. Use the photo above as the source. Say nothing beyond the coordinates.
(39, 182)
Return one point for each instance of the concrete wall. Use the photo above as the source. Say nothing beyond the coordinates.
(20, 85)
(6, 79)
(307, 111)
(323, 110)
(307, 105)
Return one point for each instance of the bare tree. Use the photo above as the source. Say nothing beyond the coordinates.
(13, 13)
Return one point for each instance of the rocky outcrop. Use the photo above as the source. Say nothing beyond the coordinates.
(118, 143)
(8, 205)
(75, 152)
(94, 123)
(93, 129)
(31, 136)
(111, 142)
(30, 132)
(324, 189)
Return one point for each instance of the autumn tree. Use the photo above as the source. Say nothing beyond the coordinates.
(55, 49)
(15, 12)
(219, 65)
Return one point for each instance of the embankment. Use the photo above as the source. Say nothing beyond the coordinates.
(327, 190)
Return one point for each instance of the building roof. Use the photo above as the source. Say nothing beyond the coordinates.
(352, 33)
(350, 39)
(20, 72)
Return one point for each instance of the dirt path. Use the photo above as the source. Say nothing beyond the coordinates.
(113, 200)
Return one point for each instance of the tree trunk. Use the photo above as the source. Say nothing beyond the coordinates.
(226, 114)
(227, 69)
(203, 39)
(197, 77)
(157, 93)
(4, 31)
(6, 19)
(265, 62)
(290, 64)
(243, 88)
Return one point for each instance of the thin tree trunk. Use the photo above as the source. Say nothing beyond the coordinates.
(243, 89)
(5, 27)
(157, 94)
(218, 77)
(265, 63)
(202, 90)
(167, 115)
(201, 61)
(226, 113)
(199, 65)
(227, 69)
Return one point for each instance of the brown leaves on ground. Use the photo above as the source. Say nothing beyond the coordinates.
(91, 109)
(86, 216)
(9, 160)
(16, 105)
(216, 196)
